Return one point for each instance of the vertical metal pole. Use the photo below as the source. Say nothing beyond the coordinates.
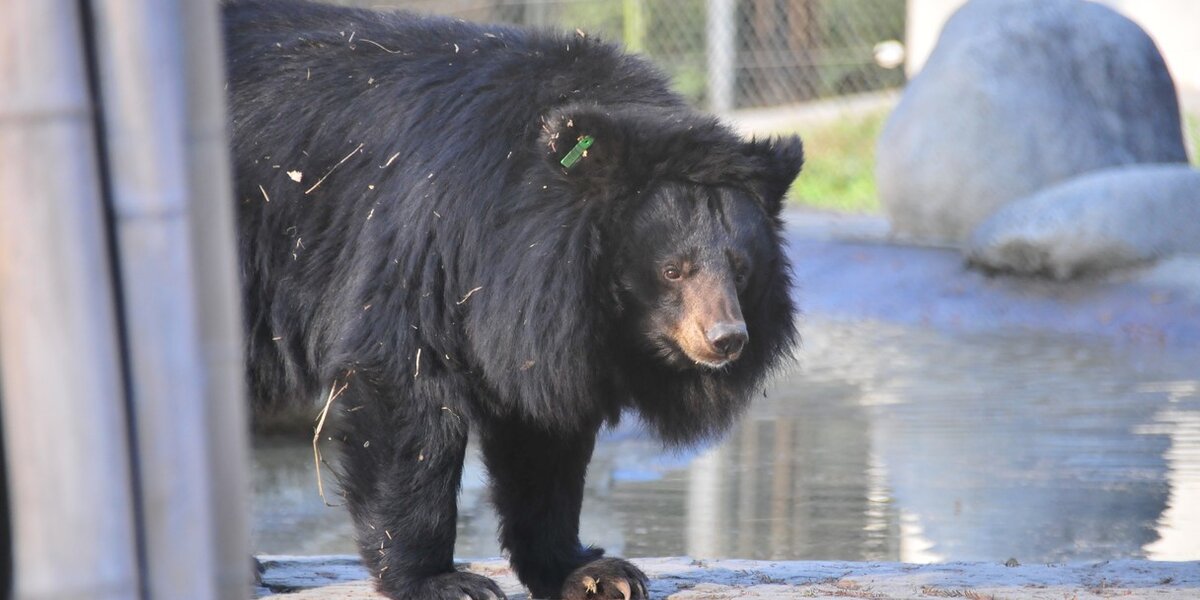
(537, 13)
(720, 37)
(634, 25)
(65, 429)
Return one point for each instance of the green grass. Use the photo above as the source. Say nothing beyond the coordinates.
(839, 172)
(839, 168)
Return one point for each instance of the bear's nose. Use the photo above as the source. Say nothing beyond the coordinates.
(727, 339)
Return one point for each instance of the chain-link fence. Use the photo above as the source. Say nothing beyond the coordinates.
(725, 54)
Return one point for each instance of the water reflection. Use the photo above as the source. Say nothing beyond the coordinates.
(884, 443)
(1178, 526)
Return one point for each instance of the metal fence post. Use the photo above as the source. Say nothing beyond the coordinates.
(721, 54)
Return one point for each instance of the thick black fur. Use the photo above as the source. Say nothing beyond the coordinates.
(448, 273)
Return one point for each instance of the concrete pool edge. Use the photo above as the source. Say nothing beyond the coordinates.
(682, 578)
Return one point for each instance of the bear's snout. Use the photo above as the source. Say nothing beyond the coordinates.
(728, 338)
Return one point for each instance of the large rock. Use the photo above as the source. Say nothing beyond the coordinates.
(1094, 223)
(1018, 95)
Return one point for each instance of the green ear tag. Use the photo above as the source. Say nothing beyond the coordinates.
(576, 153)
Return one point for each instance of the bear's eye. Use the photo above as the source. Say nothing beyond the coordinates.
(672, 273)
(740, 278)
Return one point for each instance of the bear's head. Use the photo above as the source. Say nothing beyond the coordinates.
(638, 264)
(689, 252)
(687, 260)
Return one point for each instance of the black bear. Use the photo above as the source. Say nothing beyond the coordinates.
(448, 227)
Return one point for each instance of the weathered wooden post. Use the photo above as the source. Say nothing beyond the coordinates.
(220, 318)
(119, 319)
(65, 429)
(162, 90)
(139, 59)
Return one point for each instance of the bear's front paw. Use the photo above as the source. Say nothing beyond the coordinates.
(454, 586)
(605, 579)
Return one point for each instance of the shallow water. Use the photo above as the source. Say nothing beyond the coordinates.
(882, 443)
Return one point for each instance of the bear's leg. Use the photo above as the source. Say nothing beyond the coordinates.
(401, 472)
(537, 487)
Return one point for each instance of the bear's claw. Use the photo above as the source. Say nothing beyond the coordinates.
(606, 579)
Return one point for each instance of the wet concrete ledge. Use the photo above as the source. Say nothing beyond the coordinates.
(849, 267)
(343, 578)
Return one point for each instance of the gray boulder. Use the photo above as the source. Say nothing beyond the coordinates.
(1094, 223)
(1016, 96)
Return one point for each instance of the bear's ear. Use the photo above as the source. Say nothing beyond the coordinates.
(588, 148)
(781, 159)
